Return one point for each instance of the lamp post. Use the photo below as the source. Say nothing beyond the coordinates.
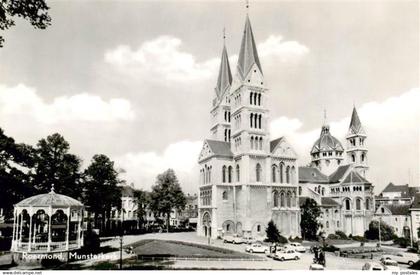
(121, 237)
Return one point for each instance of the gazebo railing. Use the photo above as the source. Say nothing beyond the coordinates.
(43, 247)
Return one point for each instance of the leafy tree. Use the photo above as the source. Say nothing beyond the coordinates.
(273, 234)
(167, 195)
(309, 224)
(142, 199)
(35, 11)
(387, 233)
(100, 186)
(55, 165)
(16, 161)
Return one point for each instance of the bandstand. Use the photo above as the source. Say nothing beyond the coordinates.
(47, 224)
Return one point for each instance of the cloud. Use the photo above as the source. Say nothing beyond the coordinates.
(163, 59)
(391, 125)
(23, 102)
(143, 167)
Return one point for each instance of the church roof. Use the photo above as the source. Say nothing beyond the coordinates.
(354, 177)
(339, 173)
(325, 201)
(416, 202)
(248, 55)
(220, 148)
(355, 124)
(311, 174)
(274, 143)
(403, 189)
(224, 80)
(326, 142)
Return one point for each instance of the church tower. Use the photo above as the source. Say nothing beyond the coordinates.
(221, 111)
(356, 145)
(249, 100)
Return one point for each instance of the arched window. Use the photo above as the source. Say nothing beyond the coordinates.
(362, 158)
(250, 98)
(273, 173)
(258, 172)
(293, 175)
(319, 189)
(353, 158)
(327, 225)
(289, 199)
(238, 173)
(259, 121)
(358, 204)
(261, 143)
(282, 200)
(255, 120)
(230, 174)
(288, 174)
(300, 190)
(227, 227)
(281, 173)
(252, 143)
(259, 99)
(251, 120)
(347, 204)
(323, 191)
(276, 199)
(225, 195)
(224, 174)
(367, 204)
(258, 228)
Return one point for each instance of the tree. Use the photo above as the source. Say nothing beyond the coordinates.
(35, 11)
(142, 199)
(100, 186)
(387, 233)
(309, 219)
(167, 195)
(55, 165)
(273, 234)
(16, 161)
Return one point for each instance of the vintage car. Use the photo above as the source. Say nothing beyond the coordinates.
(402, 258)
(287, 254)
(257, 248)
(235, 239)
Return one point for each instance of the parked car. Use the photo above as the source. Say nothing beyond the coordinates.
(371, 266)
(248, 239)
(390, 265)
(257, 248)
(297, 246)
(287, 254)
(402, 258)
(235, 239)
(273, 249)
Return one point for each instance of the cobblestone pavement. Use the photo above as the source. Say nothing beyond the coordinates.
(333, 262)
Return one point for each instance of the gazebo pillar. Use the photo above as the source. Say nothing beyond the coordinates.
(68, 228)
(30, 229)
(49, 228)
(20, 227)
(14, 225)
(79, 225)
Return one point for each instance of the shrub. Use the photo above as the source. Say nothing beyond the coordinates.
(402, 242)
(387, 233)
(341, 235)
(333, 237)
(359, 238)
(330, 248)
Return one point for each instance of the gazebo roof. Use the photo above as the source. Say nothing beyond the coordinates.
(49, 199)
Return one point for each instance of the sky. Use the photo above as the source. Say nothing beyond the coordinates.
(135, 79)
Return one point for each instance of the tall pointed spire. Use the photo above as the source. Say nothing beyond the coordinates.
(248, 55)
(224, 80)
(355, 124)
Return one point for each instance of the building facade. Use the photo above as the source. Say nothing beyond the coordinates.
(246, 179)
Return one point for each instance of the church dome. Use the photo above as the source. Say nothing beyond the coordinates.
(326, 142)
(50, 199)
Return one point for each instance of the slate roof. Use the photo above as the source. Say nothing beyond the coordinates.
(248, 55)
(274, 143)
(224, 80)
(220, 148)
(416, 202)
(329, 202)
(355, 124)
(326, 142)
(398, 209)
(339, 173)
(396, 188)
(311, 174)
(354, 177)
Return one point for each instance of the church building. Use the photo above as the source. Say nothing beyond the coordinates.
(246, 179)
